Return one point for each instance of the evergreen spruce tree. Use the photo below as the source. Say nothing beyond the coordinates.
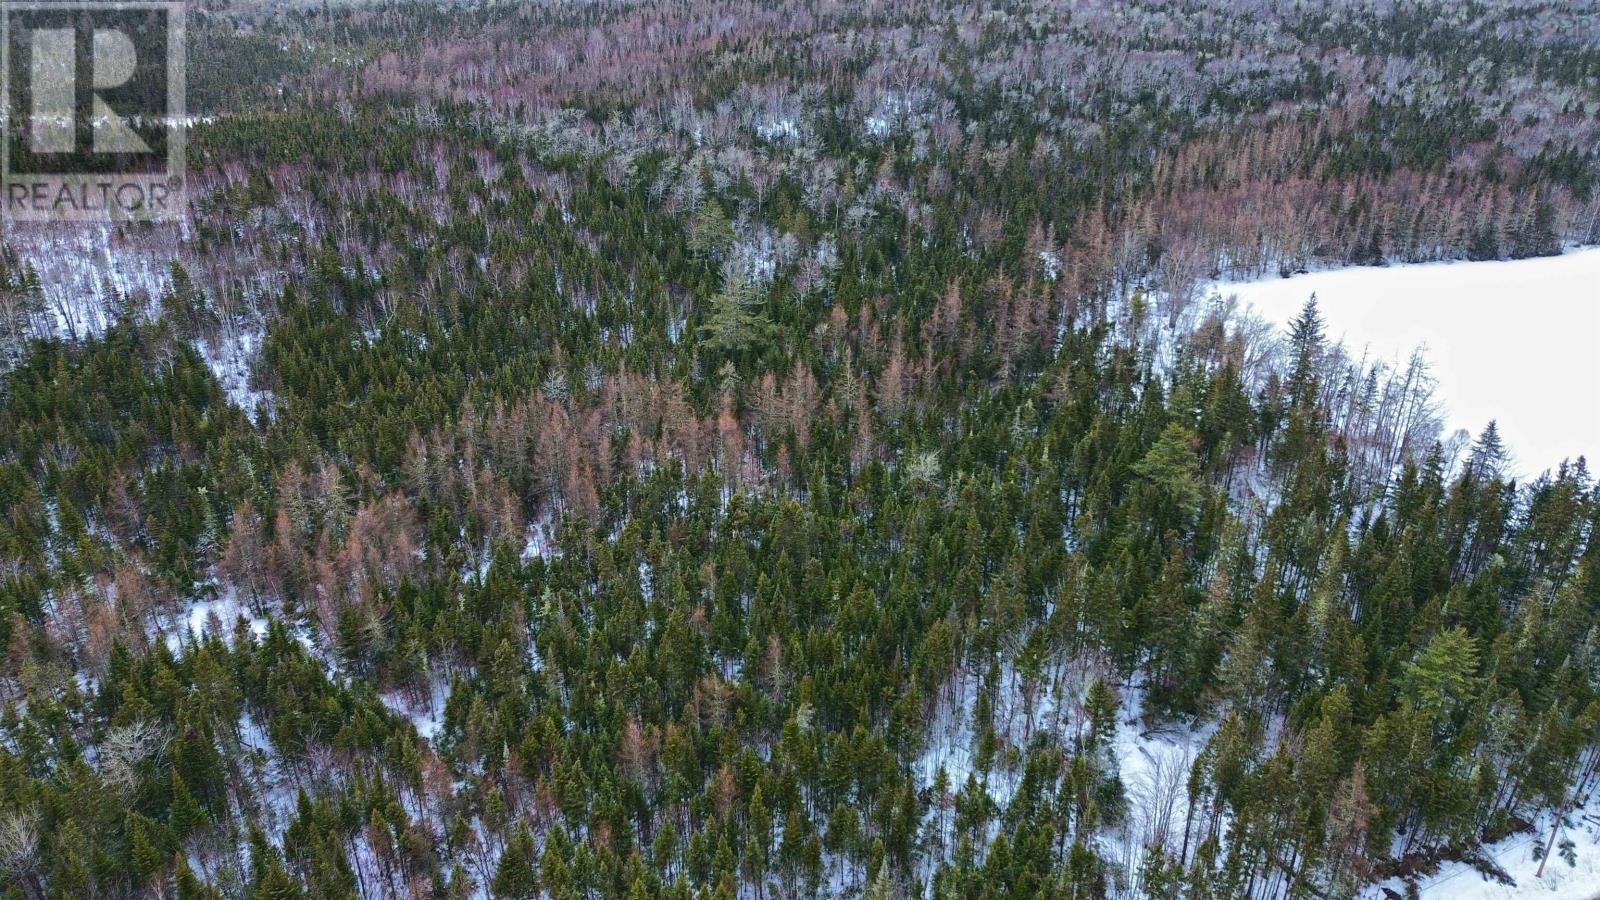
(735, 322)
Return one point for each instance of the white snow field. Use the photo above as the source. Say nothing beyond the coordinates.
(1512, 341)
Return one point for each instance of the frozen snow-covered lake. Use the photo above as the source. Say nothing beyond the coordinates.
(1512, 341)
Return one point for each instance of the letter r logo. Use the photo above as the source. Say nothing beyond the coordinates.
(53, 126)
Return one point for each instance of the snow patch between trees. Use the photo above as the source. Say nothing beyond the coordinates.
(213, 614)
(230, 360)
(1518, 856)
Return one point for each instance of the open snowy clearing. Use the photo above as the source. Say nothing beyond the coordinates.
(1512, 341)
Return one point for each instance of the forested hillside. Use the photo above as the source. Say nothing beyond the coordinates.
(666, 450)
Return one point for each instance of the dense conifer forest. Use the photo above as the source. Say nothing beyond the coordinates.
(669, 449)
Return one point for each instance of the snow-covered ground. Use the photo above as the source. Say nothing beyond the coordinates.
(1518, 857)
(1153, 764)
(217, 613)
(1513, 341)
(83, 269)
(231, 357)
(426, 714)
